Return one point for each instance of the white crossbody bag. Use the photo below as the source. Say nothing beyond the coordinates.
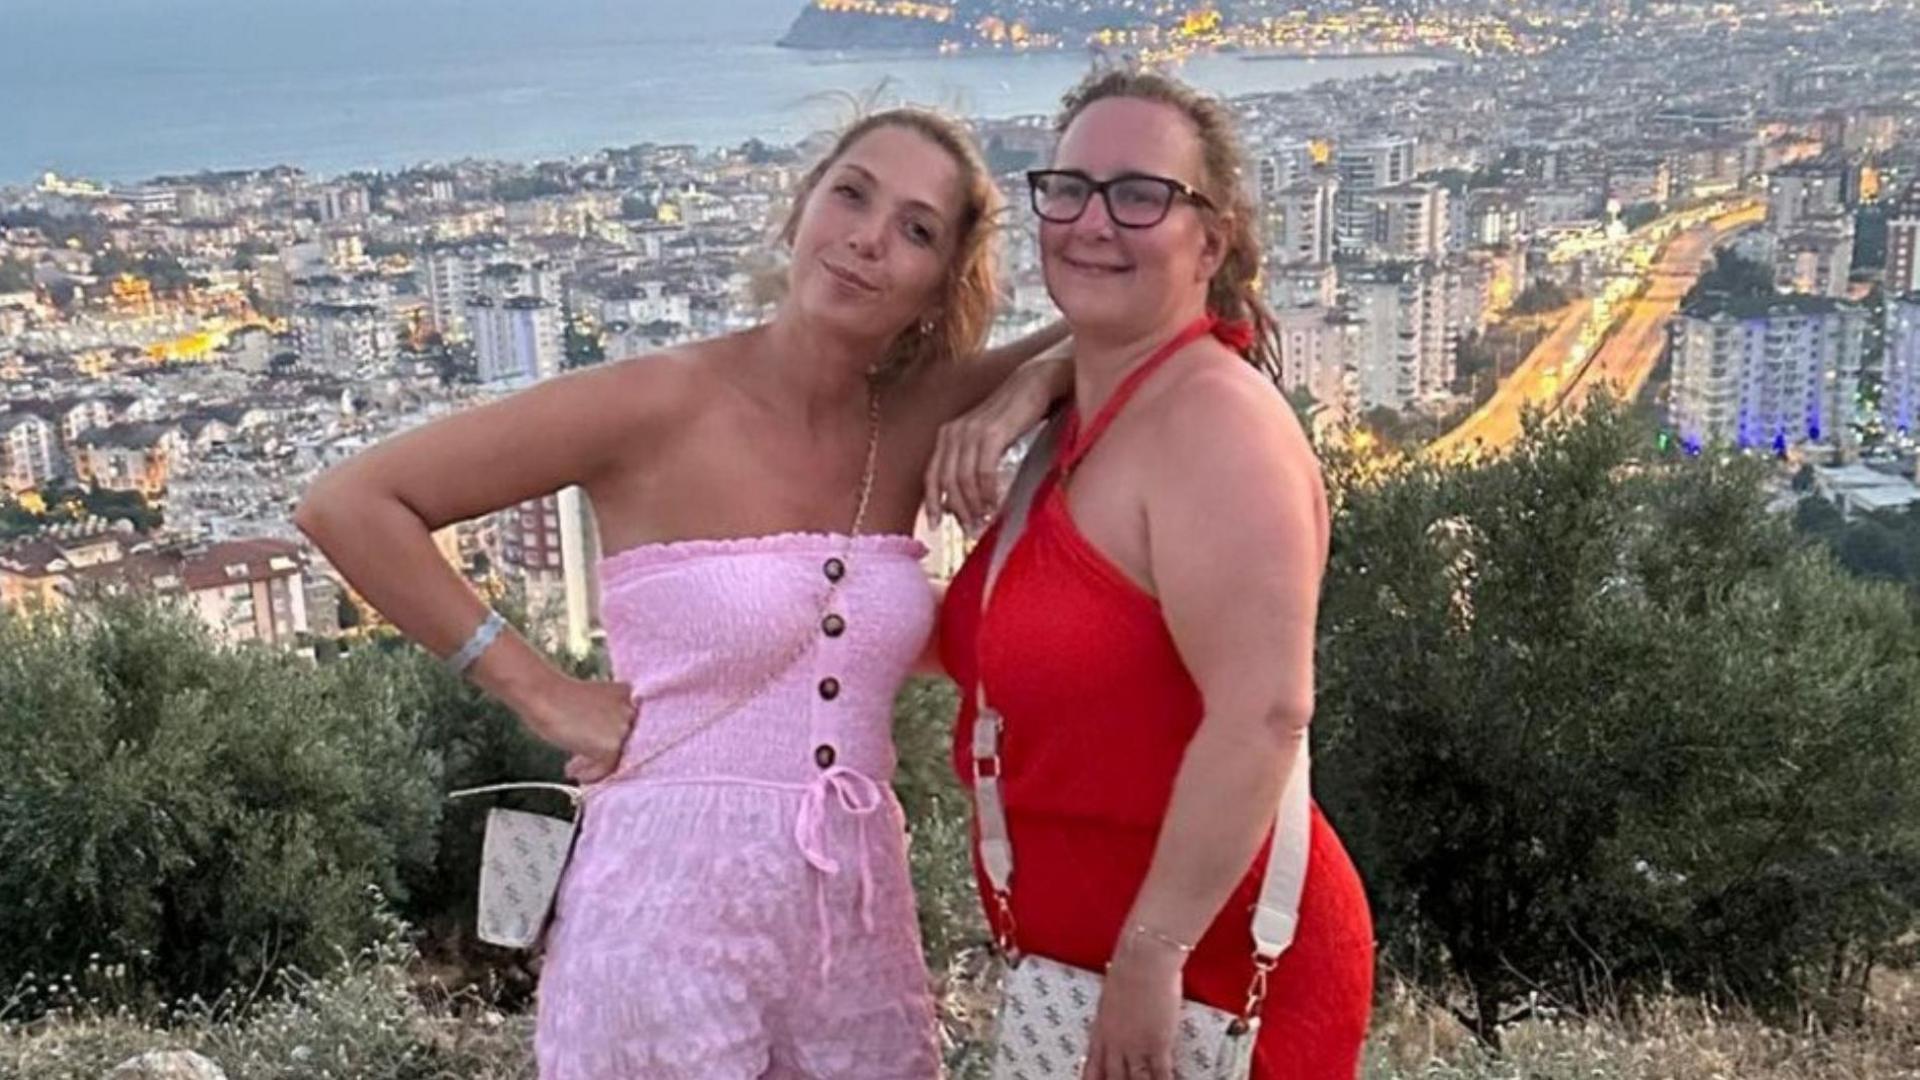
(1047, 1007)
(521, 863)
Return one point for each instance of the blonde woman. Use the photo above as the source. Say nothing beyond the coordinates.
(738, 904)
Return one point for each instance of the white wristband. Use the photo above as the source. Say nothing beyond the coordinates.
(482, 637)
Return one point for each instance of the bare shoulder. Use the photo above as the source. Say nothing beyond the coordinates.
(1234, 490)
(647, 396)
(571, 429)
(1221, 416)
(660, 382)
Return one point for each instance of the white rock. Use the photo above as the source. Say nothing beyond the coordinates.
(167, 1065)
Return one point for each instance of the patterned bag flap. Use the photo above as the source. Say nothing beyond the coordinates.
(520, 866)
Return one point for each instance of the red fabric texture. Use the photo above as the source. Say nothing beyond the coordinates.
(1099, 710)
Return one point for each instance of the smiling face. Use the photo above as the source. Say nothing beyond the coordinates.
(1118, 283)
(877, 236)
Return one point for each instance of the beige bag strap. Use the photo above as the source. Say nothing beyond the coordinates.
(1276, 914)
(569, 790)
(1277, 911)
(996, 850)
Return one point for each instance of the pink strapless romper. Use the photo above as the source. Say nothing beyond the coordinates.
(740, 907)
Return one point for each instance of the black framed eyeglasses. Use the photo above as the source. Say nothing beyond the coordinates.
(1134, 200)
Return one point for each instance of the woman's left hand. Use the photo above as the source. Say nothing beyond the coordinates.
(963, 476)
(1133, 1031)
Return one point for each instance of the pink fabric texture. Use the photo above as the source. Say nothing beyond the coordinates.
(740, 907)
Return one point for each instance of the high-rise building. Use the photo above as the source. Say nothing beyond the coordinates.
(1409, 222)
(151, 201)
(1806, 190)
(453, 277)
(1364, 168)
(1404, 345)
(579, 558)
(552, 545)
(1302, 285)
(350, 201)
(345, 337)
(1565, 163)
(530, 536)
(27, 451)
(1815, 261)
(1766, 373)
(1495, 217)
(1470, 282)
(1439, 336)
(505, 279)
(517, 340)
(1903, 244)
(1287, 165)
(1301, 220)
(1900, 372)
(1638, 178)
(641, 302)
(1316, 352)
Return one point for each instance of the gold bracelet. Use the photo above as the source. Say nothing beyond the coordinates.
(1143, 930)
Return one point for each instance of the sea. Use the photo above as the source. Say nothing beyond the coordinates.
(124, 90)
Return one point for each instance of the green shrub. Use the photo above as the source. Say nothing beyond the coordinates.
(1591, 727)
(201, 816)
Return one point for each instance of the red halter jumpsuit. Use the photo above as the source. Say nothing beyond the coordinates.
(1099, 710)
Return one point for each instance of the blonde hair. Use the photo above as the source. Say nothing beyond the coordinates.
(1234, 292)
(967, 295)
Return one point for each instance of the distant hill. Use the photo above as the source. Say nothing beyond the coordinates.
(822, 28)
(913, 24)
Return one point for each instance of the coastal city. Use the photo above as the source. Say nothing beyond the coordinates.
(1710, 212)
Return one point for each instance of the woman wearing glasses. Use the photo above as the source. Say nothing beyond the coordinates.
(1148, 644)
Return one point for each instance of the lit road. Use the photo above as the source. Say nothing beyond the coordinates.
(1613, 342)
(1535, 384)
(1633, 348)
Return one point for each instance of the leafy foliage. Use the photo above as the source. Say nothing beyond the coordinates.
(1591, 726)
(203, 816)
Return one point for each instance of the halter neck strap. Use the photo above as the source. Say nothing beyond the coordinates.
(1079, 440)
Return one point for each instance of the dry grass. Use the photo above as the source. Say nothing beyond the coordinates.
(1415, 1038)
(375, 1019)
(372, 1018)
(1669, 1039)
